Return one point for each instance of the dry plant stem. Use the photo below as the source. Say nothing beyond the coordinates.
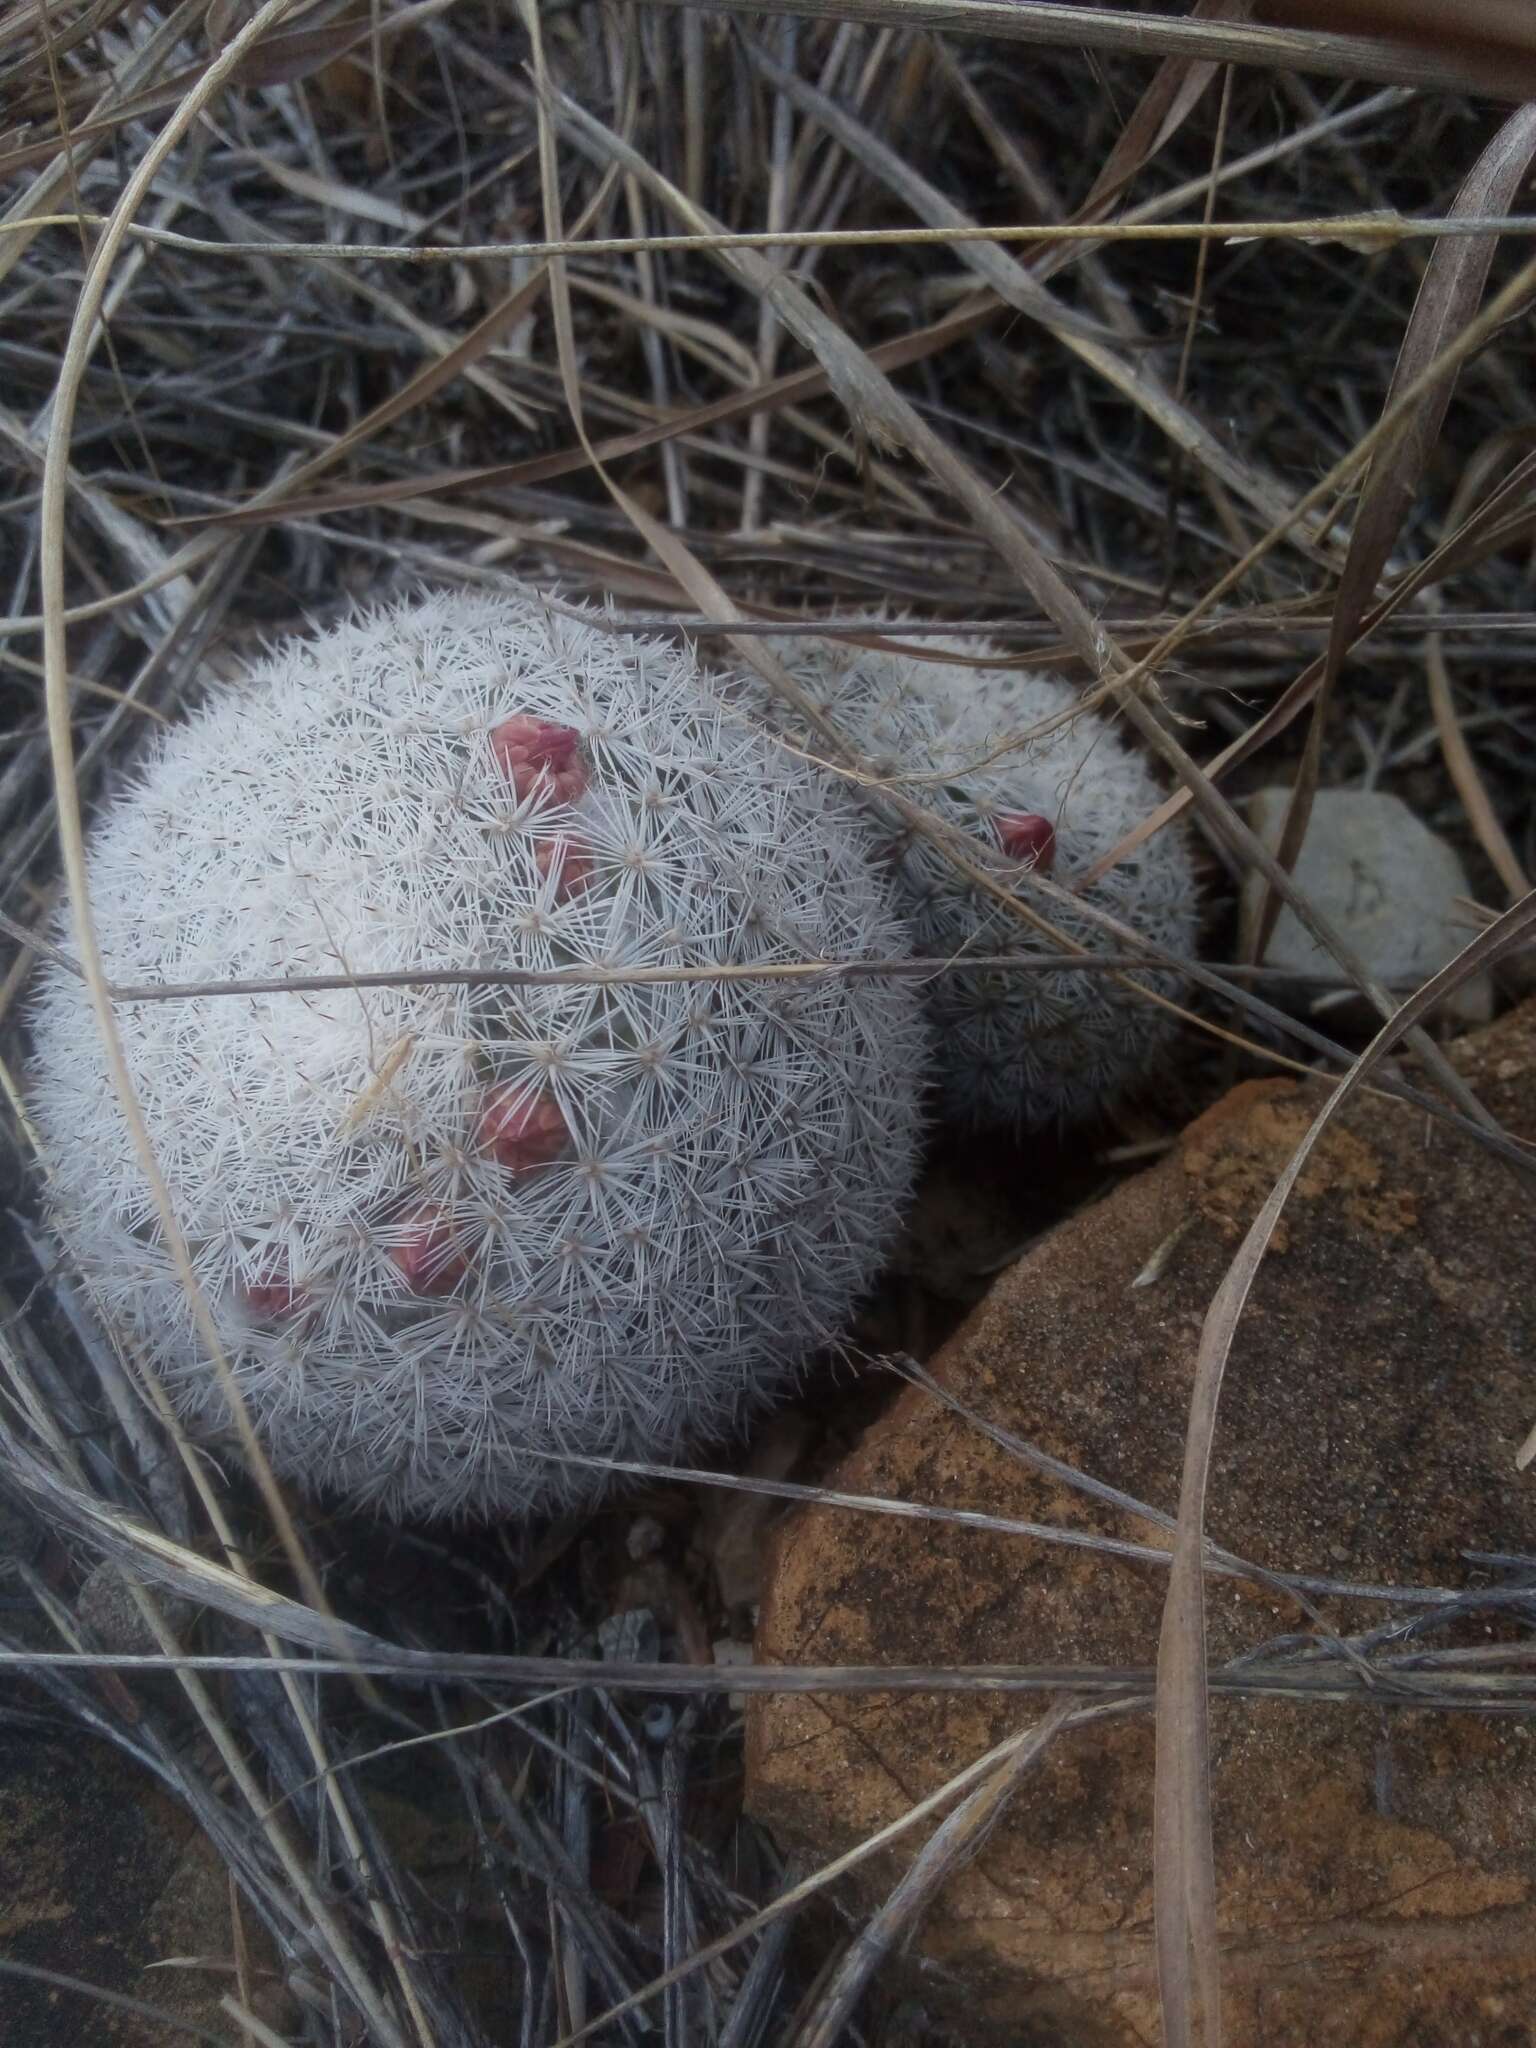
(273, 497)
(1184, 1872)
(959, 850)
(879, 411)
(1362, 231)
(55, 485)
(1464, 773)
(139, 69)
(1453, 284)
(55, 658)
(354, 1970)
(1135, 381)
(1191, 327)
(182, 645)
(768, 330)
(1506, 303)
(802, 384)
(1509, 301)
(1412, 1683)
(670, 548)
(1415, 1678)
(380, 1911)
(316, 1912)
(993, 1764)
(956, 1842)
(1055, 23)
(1481, 527)
(897, 969)
(253, 2028)
(1172, 93)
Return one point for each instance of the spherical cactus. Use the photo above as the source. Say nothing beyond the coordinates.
(1025, 1050)
(444, 1229)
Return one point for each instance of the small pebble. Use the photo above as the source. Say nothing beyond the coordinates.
(644, 1538)
(1388, 886)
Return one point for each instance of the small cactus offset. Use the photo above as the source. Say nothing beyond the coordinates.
(444, 1229)
(1024, 1050)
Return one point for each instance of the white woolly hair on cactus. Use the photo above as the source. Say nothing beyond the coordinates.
(1024, 1050)
(444, 1229)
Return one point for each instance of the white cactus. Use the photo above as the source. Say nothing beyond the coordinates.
(444, 1229)
(1026, 1050)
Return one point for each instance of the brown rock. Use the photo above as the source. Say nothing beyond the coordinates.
(106, 1881)
(1376, 1870)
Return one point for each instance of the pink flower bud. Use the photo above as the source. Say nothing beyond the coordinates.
(521, 1127)
(539, 758)
(1027, 836)
(272, 1295)
(567, 862)
(428, 1255)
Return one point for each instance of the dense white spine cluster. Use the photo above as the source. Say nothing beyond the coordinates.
(444, 1229)
(1026, 1050)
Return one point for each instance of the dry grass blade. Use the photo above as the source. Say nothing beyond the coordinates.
(796, 386)
(1136, 381)
(1184, 1863)
(148, 1556)
(287, 501)
(1446, 1681)
(1380, 230)
(991, 1766)
(957, 1841)
(875, 409)
(46, 190)
(1451, 292)
(1508, 75)
(780, 391)
(1173, 92)
(55, 656)
(1491, 525)
(1481, 813)
(52, 568)
(1483, 32)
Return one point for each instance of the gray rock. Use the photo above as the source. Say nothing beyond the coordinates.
(1386, 883)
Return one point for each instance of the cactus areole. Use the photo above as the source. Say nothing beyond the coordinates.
(448, 1231)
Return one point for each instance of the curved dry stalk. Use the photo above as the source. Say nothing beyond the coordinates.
(1183, 1858)
(51, 565)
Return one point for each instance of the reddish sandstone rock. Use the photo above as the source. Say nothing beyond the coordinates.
(1377, 1872)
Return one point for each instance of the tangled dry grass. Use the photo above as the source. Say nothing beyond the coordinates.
(1183, 354)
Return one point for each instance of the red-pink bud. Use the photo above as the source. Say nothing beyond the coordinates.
(567, 862)
(428, 1253)
(521, 1127)
(1027, 836)
(272, 1295)
(539, 758)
